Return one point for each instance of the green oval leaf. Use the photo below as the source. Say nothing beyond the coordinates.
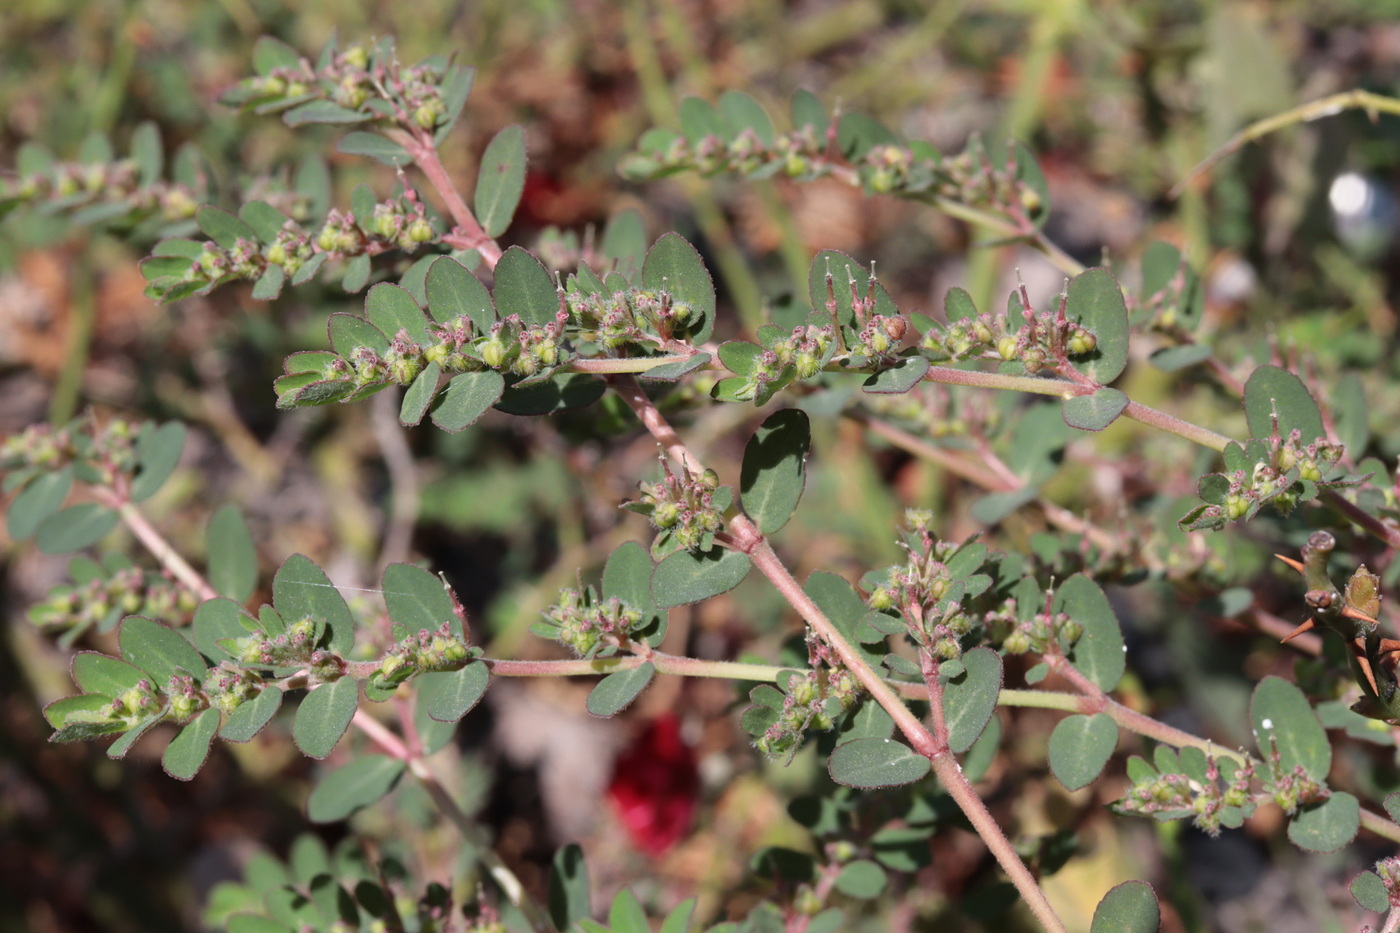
(233, 559)
(844, 271)
(86, 707)
(741, 112)
(615, 692)
(301, 590)
(324, 715)
(808, 111)
(1094, 412)
(222, 227)
(188, 751)
(393, 310)
(524, 288)
(1391, 804)
(41, 498)
(266, 220)
(214, 621)
(558, 393)
(375, 147)
(899, 378)
(1283, 718)
(367, 779)
(970, 699)
(417, 600)
(103, 674)
(1080, 746)
(450, 695)
(1327, 826)
(501, 180)
(157, 454)
(1098, 654)
(420, 395)
(568, 888)
(250, 718)
(684, 577)
(323, 111)
(1095, 300)
(159, 651)
(627, 576)
(868, 763)
(1270, 387)
(466, 398)
(1368, 890)
(75, 528)
(674, 265)
(774, 470)
(862, 879)
(1131, 907)
(348, 332)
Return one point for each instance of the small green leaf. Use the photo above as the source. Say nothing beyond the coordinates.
(1283, 718)
(348, 332)
(742, 112)
(323, 111)
(625, 241)
(148, 153)
(466, 398)
(970, 699)
(500, 180)
(85, 707)
(1368, 890)
(1094, 412)
(250, 718)
(450, 695)
(118, 749)
(417, 600)
(41, 498)
(699, 119)
(1326, 826)
(558, 393)
(899, 378)
(187, 752)
(808, 110)
(375, 147)
(301, 590)
(684, 577)
(270, 54)
(1098, 654)
(774, 469)
(222, 227)
(1131, 907)
(356, 274)
(525, 288)
(365, 780)
(869, 721)
(844, 271)
(393, 310)
(233, 559)
(627, 576)
(862, 879)
(958, 305)
(568, 888)
(159, 651)
(615, 692)
(83, 731)
(214, 621)
(1080, 746)
(678, 920)
(456, 87)
(324, 715)
(1171, 359)
(980, 756)
(269, 284)
(266, 220)
(75, 528)
(1161, 263)
(1391, 802)
(857, 134)
(868, 763)
(157, 454)
(103, 674)
(1095, 300)
(673, 265)
(1270, 387)
(671, 372)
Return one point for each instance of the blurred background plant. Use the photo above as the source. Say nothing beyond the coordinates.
(1294, 237)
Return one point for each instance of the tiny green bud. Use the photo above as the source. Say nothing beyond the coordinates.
(420, 231)
(1082, 342)
(1236, 506)
(1006, 346)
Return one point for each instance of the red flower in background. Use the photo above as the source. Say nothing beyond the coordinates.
(655, 786)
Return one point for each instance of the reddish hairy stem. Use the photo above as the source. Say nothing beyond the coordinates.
(424, 153)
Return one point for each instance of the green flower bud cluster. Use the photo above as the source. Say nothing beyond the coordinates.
(805, 350)
(881, 337)
(102, 601)
(293, 648)
(886, 168)
(1312, 460)
(1038, 634)
(38, 447)
(186, 699)
(1210, 804)
(797, 154)
(587, 623)
(70, 186)
(422, 652)
(1294, 789)
(525, 350)
(643, 318)
(962, 339)
(810, 702)
(1044, 339)
(229, 686)
(682, 506)
(411, 96)
(1389, 871)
